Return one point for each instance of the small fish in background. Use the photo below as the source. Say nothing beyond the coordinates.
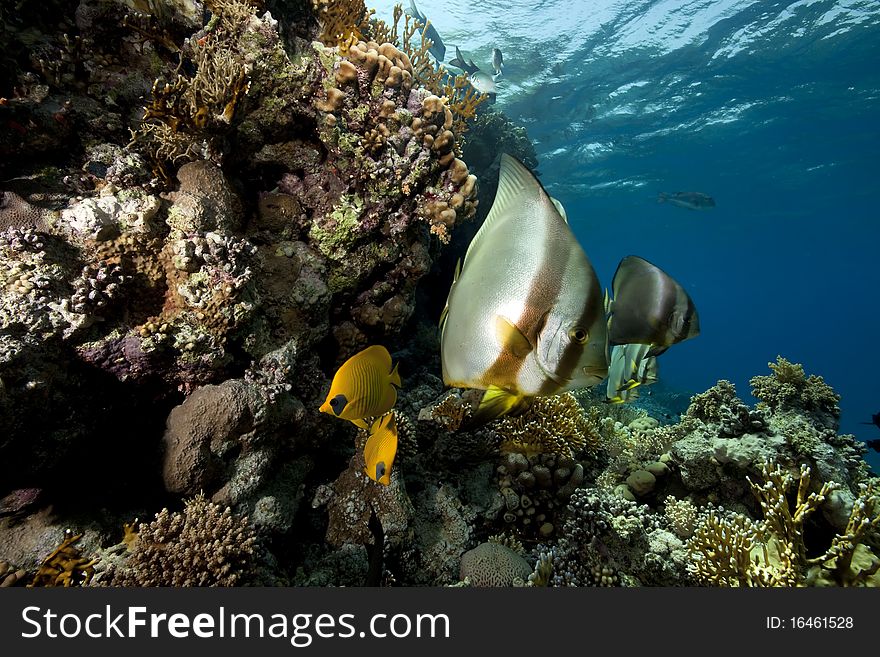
(459, 61)
(689, 200)
(649, 307)
(497, 62)
(629, 368)
(875, 420)
(484, 83)
(437, 49)
(380, 449)
(524, 316)
(364, 386)
(480, 80)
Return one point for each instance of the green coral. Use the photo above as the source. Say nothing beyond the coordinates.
(337, 233)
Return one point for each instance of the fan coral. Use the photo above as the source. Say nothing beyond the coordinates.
(203, 545)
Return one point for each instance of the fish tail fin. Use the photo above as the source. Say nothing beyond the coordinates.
(394, 377)
(662, 196)
(497, 402)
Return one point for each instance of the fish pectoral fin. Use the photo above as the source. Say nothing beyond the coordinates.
(394, 377)
(656, 350)
(495, 403)
(360, 423)
(510, 337)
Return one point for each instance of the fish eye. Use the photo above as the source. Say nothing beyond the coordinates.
(338, 403)
(578, 334)
(380, 470)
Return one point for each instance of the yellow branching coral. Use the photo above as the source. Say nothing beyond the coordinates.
(552, 425)
(849, 562)
(786, 524)
(343, 22)
(727, 551)
(65, 566)
(463, 100)
(736, 551)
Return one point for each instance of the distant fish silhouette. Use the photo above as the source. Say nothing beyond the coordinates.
(873, 444)
(689, 200)
(875, 420)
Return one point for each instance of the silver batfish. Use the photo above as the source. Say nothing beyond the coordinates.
(629, 368)
(524, 317)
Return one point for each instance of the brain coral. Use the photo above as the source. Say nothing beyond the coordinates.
(493, 564)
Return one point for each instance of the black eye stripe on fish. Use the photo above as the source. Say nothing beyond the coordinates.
(572, 353)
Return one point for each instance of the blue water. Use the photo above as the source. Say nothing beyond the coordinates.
(772, 108)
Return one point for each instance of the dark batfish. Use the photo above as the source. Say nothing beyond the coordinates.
(437, 49)
(689, 200)
(649, 307)
(465, 65)
(875, 420)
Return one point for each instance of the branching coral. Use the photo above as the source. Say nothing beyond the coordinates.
(203, 545)
(185, 113)
(552, 425)
(736, 551)
(65, 566)
(789, 389)
(726, 551)
(343, 22)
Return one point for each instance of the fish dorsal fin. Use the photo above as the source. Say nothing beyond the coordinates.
(509, 336)
(561, 209)
(445, 313)
(517, 186)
